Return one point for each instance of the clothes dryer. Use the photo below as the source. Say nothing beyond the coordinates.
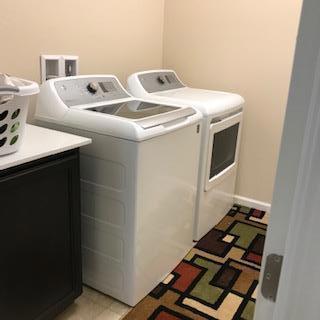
(221, 134)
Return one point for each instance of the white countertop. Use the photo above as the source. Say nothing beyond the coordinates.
(41, 142)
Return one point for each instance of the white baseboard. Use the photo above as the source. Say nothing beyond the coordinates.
(252, 203)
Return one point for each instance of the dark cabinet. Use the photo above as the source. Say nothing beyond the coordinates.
(40, 257)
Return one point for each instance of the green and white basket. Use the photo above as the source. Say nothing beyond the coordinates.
(14, 102)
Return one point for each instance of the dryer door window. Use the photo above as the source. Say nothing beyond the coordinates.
(224, 149)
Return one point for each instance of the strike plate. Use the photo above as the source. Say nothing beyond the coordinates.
(271, 277)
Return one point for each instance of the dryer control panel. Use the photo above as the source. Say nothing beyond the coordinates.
(83, 91)
(159, 81)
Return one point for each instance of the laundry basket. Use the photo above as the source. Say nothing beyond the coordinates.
(14, 101)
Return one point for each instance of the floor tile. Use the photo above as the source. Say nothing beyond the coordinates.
(82, 309)
(98, 297)
(108, 315)
(119, 308)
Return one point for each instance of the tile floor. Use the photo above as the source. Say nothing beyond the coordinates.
(92, 305)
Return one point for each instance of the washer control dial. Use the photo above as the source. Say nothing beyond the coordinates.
(93, 87)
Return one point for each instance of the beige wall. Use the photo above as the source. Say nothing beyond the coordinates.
(110, 36)
(246, 47)
(242, 46)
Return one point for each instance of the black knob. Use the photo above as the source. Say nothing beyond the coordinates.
(161, 80)
(92, 87)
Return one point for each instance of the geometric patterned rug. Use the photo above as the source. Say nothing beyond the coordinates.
(217, 279)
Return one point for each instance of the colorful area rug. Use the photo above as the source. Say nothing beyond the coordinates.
(217, 279)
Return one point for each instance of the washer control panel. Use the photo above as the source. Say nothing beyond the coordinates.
(81, 91)
(159, 81)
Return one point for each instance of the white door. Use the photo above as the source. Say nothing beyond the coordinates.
(295, 214)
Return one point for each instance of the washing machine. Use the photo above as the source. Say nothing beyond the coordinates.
(221, 135)
(138, 189)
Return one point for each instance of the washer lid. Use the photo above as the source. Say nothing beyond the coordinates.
(133, 109)
(145, 114)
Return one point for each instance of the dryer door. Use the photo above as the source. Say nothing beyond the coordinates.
(223, 149)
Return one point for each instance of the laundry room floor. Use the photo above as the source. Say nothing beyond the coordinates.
(93, 305)
(218, 279)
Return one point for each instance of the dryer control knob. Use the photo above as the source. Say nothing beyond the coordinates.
(93, 87)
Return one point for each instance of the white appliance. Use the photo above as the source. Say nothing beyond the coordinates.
(221, 133)
(138, 180)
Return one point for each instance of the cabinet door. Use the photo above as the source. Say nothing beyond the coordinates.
(40, 264)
